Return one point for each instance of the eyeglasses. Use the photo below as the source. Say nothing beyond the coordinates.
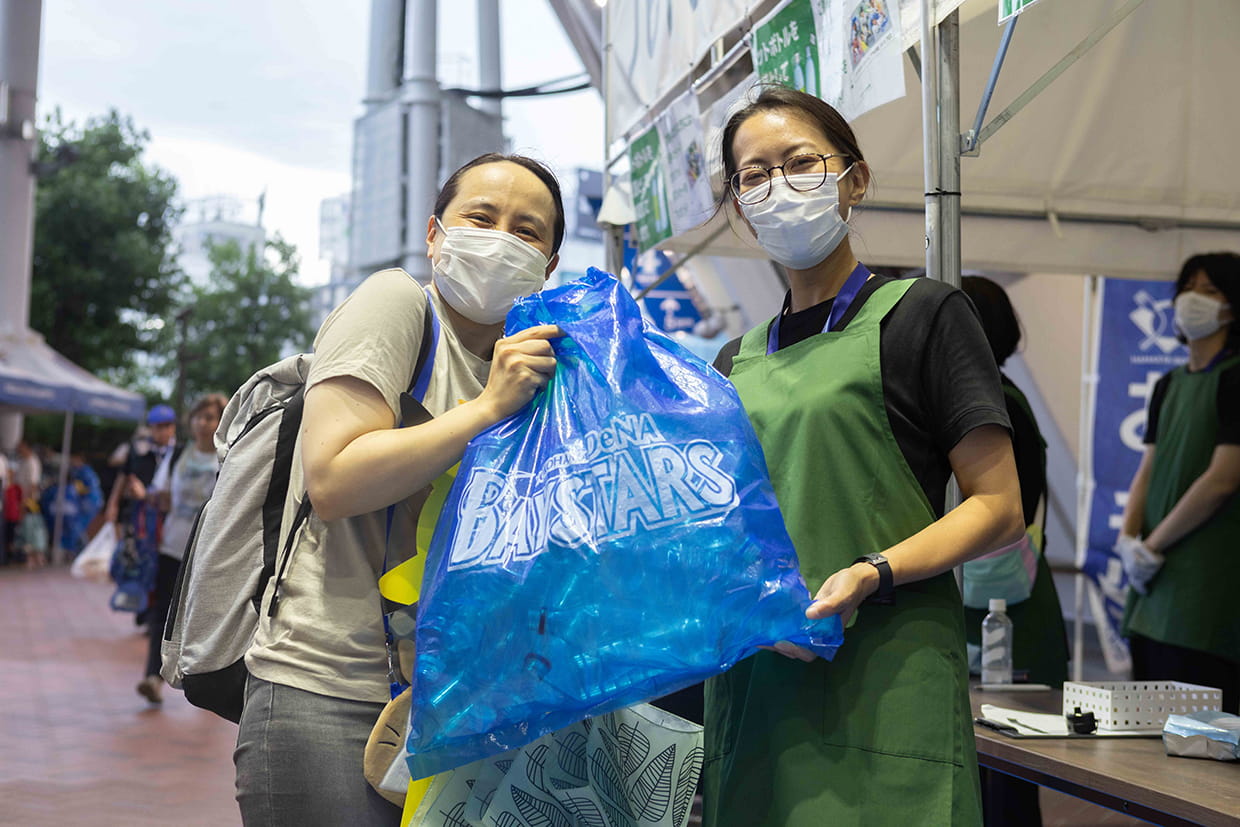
(752, 185)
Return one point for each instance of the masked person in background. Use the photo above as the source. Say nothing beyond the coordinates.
(318, 669)
(866, 393)
(181, 485)
(1020, 573)
(1182, 519)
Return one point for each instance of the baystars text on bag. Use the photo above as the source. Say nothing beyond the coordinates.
(615, 481)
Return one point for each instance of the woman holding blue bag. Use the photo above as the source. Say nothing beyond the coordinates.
(318, 668)
(867, 393)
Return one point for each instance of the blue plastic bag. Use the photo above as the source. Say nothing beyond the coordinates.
(136, 559)
(616, 540)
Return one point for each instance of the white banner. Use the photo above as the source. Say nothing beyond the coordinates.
(653, 45)
(686, 177)
(865, 40)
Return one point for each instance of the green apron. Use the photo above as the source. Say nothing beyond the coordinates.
(1039, 637)
(882, 734)
(1190, 601)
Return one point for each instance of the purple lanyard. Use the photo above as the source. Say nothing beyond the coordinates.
(843, 300)
(1218, 357)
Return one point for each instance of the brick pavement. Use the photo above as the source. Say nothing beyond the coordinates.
(77, 744)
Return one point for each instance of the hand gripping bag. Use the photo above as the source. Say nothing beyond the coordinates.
(615, 540)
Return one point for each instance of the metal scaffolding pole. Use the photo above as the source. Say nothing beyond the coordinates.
(949, 148)
(420, 93)
(490, 57)
(930, 138)
(383, 69)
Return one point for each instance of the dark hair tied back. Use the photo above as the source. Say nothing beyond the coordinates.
(774, 96)
(995, 311)
(538, 168)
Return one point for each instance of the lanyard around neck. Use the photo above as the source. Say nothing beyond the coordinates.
(843, 300)
(1218, 357)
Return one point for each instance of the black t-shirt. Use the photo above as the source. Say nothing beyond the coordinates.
(939, 377)
(144, 458)
(1228, 403)
(1030, 454)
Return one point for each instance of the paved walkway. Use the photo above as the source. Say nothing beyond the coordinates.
(79, 746)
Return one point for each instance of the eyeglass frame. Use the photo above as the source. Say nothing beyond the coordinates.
(770, 174)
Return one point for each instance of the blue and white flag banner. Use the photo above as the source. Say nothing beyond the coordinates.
(1134, 345)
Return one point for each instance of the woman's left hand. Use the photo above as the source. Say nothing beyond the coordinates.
(843, 592)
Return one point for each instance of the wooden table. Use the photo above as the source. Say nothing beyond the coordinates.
(1134, 776)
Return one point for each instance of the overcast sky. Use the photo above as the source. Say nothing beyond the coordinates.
(245, 95)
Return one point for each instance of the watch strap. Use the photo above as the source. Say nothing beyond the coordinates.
(885, 595)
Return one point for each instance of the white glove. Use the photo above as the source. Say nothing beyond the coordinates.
(1140, 564)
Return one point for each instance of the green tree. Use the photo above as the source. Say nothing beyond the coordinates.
(249, 314)
(105, 274)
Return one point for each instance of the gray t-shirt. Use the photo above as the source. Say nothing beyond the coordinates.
(327, 636)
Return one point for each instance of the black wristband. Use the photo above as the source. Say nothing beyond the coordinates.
(886, 593)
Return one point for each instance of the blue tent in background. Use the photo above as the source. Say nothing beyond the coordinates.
(34, 378)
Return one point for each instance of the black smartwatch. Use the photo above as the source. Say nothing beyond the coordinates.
(886, 594)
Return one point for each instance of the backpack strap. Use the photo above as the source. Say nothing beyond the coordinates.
(417, 414)
(412, 411)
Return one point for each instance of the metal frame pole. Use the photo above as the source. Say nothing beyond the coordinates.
(57, 554)
(420, 93)
(1085, 460)
(930, 136)
(949, 148)
(613, 237)
(490, 58)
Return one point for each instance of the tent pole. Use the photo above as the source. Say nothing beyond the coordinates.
(949, 148)
(62, 479)
(1055, 71)
(1084, 462)
(969, 142)
(929, 136)
(669, 272)
(613, 235)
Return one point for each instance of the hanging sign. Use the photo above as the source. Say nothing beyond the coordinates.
(862, 54)
(1011, 8)
(1134, 346)
(785, 47)
(682, 144)
(654, 223)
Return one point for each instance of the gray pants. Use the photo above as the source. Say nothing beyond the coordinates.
(299, 760)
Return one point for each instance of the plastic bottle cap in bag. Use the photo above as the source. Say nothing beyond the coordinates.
(998, 604)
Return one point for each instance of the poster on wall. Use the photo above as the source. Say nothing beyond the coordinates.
(863, 51)
(683, 156)
(653, 222)
(1134, 345)
(785, 47)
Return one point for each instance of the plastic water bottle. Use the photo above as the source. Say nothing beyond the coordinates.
(997, 644)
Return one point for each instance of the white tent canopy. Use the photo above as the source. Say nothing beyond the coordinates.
(1122, 165)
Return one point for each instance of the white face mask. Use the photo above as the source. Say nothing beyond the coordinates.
(480, 273)
(1196, 315)
(799, 229)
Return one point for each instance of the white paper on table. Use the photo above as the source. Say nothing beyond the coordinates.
(1027, 723)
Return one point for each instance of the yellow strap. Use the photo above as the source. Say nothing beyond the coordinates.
(413, 798)
(403, 584)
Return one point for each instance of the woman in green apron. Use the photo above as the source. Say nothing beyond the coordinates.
(1178, 541)
(1039, 637)
(867, 393)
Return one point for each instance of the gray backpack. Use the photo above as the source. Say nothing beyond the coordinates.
(234, 546)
